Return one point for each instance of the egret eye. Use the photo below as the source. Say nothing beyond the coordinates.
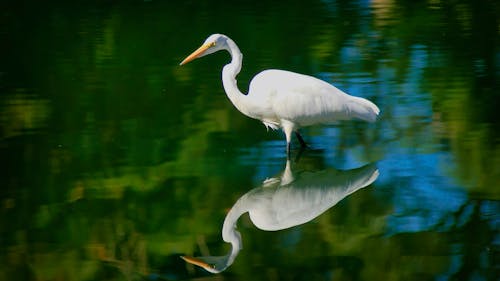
(209, 45)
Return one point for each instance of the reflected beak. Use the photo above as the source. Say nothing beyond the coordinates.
(197, 262)
(195, 54)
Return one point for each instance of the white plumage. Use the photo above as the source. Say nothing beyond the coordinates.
(287, 201)
(284, 99)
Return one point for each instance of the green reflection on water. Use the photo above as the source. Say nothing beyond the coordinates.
(116, 161)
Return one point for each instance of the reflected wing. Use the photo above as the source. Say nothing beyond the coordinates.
(308, 197)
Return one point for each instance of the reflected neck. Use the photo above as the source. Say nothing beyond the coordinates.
(229, 232)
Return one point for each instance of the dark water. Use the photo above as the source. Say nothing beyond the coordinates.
(116, 161)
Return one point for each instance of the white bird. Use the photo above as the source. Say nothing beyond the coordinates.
(286, 202)
(284, 99)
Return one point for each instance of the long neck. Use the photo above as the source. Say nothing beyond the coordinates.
(229, 232)
(229, 73)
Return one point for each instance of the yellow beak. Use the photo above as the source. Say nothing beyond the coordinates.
(196, 261)
(196, 54)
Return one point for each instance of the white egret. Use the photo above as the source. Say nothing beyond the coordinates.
(284, 99)
(285, 202)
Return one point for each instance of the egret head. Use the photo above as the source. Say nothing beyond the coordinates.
(216, 264)
(212, 44)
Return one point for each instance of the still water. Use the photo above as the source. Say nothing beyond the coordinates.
(117, 162)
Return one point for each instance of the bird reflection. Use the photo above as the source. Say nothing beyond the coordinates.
(284, 202)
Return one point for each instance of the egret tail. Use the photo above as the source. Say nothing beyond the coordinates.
(363, 109)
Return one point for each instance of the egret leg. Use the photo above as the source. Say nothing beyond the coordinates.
(288, 128)
(301, 140)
